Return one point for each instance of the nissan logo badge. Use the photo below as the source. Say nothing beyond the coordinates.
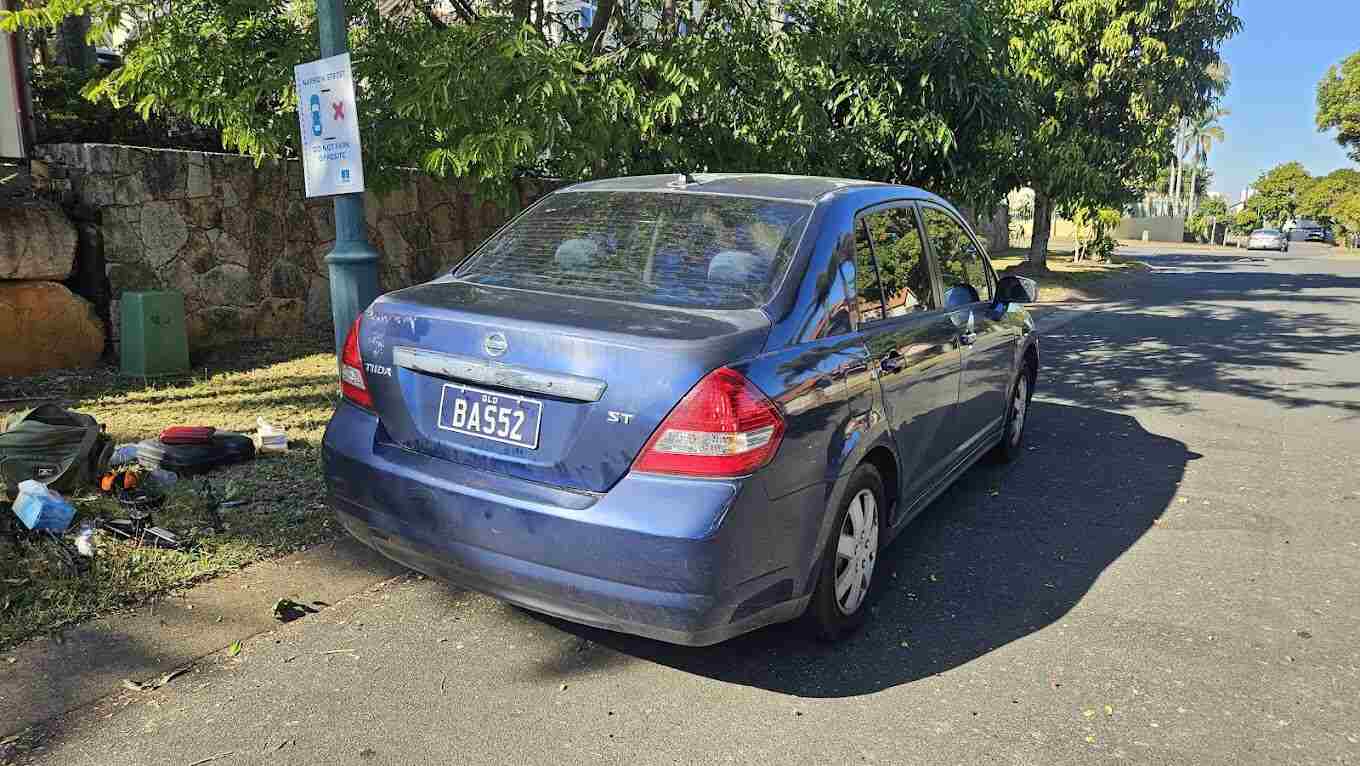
(495, 344)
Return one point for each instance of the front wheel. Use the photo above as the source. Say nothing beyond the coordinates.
(846, 573)
(1013, 433)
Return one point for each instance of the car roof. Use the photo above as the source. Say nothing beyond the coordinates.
(807, 189)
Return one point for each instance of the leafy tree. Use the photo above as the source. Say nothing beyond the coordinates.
(1319, 199)
(1106, 82)
(1212, 211)
(1345, 212)
(1338, 101)
(1277, 192)
(1245, 221)
(895, 90)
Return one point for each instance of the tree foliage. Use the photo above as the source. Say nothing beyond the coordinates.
(1211, 212)
(1338, 102)
(895, 90)
(1277, 192)
(1318, 200)
(1106, 82)
(971, 98)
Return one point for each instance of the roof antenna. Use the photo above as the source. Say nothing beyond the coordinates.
(689, 177)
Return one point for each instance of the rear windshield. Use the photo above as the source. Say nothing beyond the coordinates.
(675, 249)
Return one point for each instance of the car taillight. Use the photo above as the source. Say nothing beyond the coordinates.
(353, 384)
(724, 427)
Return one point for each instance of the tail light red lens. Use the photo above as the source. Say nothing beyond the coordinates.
(724, 427)
(353, 384)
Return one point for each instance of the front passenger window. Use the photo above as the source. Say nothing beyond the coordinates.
(961, 268)
(899, 253)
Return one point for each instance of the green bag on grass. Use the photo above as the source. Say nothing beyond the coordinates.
(63, 449)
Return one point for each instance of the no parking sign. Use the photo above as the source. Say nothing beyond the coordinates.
(332, 160)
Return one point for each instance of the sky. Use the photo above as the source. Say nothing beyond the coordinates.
(1283, 50)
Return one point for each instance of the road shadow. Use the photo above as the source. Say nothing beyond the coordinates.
(1269, 336)
(1005, 552)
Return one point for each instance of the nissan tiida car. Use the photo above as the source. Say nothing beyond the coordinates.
(683, 407)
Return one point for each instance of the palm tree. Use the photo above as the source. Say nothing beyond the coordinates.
(1205, 132)
(1195, 136)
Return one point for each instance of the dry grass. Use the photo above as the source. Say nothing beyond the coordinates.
(1065, 280)
(291, 382)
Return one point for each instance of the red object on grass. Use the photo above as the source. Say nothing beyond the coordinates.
(188, 435)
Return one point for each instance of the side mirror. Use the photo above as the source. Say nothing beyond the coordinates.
(1013, 289)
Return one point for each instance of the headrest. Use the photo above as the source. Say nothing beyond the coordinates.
(576, 254)
(736, 267)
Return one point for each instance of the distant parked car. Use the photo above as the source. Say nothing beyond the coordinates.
(1268, 239)
(683, 407)
(1307, 230)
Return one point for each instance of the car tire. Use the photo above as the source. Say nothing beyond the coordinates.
(1017, 415)
(847, 572)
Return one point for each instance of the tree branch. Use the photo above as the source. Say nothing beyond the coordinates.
(599, 24)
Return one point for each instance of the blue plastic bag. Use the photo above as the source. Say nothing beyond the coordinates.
(40, 508)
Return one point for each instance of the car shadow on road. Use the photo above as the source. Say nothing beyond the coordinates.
(1004, 553)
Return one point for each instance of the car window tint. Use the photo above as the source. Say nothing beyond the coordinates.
(867, 286)
(899, 253)
(962, 272)
(695, 250)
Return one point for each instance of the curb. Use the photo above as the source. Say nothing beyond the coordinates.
(1055, 316)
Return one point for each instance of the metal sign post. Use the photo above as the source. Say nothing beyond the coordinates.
(352, 262)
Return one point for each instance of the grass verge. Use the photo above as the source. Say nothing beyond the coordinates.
(1066, 280)
(281, 498)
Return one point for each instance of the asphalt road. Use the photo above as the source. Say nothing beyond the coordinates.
(1169, 575)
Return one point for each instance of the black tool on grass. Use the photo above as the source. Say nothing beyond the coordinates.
(139, 527)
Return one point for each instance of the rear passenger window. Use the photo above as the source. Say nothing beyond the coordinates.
(903, 273)
(961, 268)
(867, 286)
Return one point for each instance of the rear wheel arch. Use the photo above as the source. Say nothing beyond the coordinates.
(885, 462)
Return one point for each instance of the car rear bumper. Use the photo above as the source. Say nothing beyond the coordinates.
(688, 562)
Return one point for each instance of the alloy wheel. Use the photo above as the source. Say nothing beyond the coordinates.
(1018, 408)
(856, 552)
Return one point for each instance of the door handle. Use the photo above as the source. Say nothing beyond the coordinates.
(892, 362)
(968, 338)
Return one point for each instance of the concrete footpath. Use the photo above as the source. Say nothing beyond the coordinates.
(49, 676)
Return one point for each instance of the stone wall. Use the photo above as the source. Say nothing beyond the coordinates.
(241, 242)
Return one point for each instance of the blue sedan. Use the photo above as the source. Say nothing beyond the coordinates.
(683, 407)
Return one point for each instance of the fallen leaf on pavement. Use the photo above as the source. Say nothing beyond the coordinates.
(156, 683)
(234, 649)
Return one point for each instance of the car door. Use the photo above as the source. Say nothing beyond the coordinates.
(988, 342)
(912, 342)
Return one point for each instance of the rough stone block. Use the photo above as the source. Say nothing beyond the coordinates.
(319, 302)
(36, 242)
(280, 317)
(164, 232)
(44, 326)
(166, 175)
(199, 179)
(129, 190)
(219, 324)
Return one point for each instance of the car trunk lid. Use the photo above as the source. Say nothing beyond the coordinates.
(573, 386)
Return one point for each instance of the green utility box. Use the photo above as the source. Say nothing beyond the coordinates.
(153, 340)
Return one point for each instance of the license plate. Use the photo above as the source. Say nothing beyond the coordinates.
(489, 415)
